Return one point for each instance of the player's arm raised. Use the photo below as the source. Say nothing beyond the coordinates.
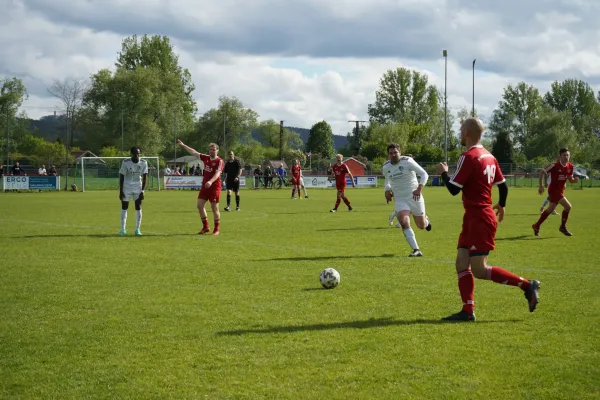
(188, 148)
(442, 170)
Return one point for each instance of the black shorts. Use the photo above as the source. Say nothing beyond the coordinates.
(235, 186)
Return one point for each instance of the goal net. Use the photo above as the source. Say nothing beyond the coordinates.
(102, 173)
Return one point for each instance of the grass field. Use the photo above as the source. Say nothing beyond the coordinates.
(86, 314)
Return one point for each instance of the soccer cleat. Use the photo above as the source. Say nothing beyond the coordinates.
(333, 210)
(554, 212)
(306, 197)
(461, 316)
(138, 232)
(216, 232)
(416, 253)
(203, 231)
(531, 294)
(349, 208)
(536, 230)
(398, 225)
(237, 209)
(227, 208)
(428, 227)
(293, 198)
(564, 231)
(123, 232)
(391, 218)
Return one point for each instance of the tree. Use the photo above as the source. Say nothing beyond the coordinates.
(401, 97)
(516, 113)
(380, 136)
(70, 92)
(502, 148)
(269, 132)
(12, 95)
(228, 125)
(320, 140)
(463, 114)
(145, 102)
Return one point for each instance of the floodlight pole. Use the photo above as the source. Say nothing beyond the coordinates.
(445, 54)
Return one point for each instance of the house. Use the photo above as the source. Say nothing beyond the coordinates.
(356, 167)
(274, 164)
(82, 153)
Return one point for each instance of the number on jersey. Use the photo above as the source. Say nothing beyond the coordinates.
(490, 171)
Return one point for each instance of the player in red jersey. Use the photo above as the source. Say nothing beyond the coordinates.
(296, 172)
(339, 171)
(211, 185)
(560, 172)
(476, 172)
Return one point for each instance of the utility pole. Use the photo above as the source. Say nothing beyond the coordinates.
(122, 140)
(175, 136)
(473, 109)
(445, 54)
(281, 140)
(224, 130)
(358, 136)
(67, 154)
(6, 172)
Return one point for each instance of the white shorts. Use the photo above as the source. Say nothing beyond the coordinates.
(129, 193)
(417, 208)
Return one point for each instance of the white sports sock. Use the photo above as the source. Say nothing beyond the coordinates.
(545, 202)
(427, 219)
(409, 234)
(304, 190)
(123, 219)
(138, 219)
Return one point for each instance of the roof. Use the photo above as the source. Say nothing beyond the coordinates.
(275, 163)
(82, 153)
(334, 160)
(184, 159)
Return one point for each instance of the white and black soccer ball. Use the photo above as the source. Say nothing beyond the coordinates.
(329, 278)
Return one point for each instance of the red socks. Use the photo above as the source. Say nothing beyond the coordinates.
(565, 217)
(205, 223)
(337, 203)
(346, 201)
(466, 286)
(217, 224)
(542, 218)
(500, 275)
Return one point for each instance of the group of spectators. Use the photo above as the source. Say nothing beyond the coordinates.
(264, 177)
(193, 170)
(17, 170)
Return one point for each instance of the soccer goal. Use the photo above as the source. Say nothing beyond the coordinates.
(102, 173)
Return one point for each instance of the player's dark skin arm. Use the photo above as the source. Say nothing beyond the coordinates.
(144, 180)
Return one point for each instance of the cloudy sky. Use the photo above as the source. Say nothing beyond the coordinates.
(307, 60)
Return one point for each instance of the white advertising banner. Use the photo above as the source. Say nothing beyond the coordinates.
(190, 182)
(324, 182)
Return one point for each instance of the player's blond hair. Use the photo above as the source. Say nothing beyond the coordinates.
(339, 157)
(215, 145)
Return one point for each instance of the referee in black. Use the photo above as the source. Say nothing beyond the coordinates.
(233, 171)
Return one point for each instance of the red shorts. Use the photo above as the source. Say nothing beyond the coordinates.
(478, 230)
(212, 194)
(340, 187)
(555, 197)
(295, 180)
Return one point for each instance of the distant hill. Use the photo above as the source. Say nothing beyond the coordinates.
(338, 140)
(52, 127)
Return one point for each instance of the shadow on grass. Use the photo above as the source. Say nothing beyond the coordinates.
(315, 258)
(362, 228)
(103, 235)
(530, 237)
(365, 324)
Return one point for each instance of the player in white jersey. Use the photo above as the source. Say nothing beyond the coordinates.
(132, 183)
(547, 199)
(401, 184)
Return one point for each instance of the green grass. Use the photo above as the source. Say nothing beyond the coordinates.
(86, 314)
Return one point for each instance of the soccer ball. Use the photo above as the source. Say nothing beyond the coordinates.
(329, 278)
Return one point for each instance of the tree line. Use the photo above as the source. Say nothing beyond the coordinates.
(147, 101)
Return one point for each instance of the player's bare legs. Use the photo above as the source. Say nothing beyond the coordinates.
(422, 222)
(470, 266)
(216, 216)
(404, 220)
(203, 216)
(551, 209)
(340, 196)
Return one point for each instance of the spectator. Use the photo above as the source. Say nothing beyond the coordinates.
(198, 170)
(257, 175)
(268, 176)
(42, 170)
(281, 173)
(1, 170)
(167, 170)
(53, 171)
(17, 170)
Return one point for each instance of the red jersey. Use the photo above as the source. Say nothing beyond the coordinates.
(296, 171)
(340, 171)
(558, 176)
(477, 170)
(210, 166)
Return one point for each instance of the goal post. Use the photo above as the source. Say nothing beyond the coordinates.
(102, 173)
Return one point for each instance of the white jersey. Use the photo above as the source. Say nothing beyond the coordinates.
(133, 174)
(401, 178)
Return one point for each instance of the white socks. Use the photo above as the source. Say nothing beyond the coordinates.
(138, 219)
(409, 234)
(545, 203)
(304, 190)
(123, 219)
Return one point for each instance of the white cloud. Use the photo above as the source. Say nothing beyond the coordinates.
(304, 61)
